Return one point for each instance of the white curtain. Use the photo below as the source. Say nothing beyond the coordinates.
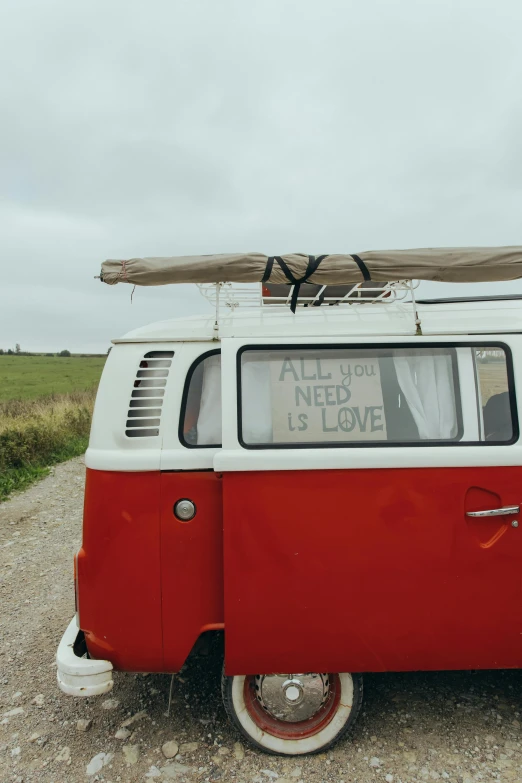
(209, 419)
(256, 403)
(426, 380)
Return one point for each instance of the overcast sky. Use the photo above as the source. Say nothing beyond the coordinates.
(179, 126)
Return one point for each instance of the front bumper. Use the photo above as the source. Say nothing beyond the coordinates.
(77, 674)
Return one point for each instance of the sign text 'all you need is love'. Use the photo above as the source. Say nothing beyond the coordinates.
(326, 398)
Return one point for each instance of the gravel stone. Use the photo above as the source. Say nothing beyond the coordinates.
(239, 751)
(13, 712)
(188, 747)
(170, 749)
(98, 762)
(83, 724)
(110, 704)
(64, 754)
(134, 719)
(131, 753)
(175, 770)
(123, 734)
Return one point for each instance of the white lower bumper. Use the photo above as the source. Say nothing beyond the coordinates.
(80, 676)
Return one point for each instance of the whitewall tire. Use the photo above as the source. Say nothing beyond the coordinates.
(293, 714)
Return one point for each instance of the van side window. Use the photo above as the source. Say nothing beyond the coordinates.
(494, 394)
(373, 396)
(200, 422)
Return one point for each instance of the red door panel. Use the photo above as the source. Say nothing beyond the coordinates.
(119, 589)
(191, 562)
(371, 570)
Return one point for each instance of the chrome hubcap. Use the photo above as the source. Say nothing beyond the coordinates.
(292, 697)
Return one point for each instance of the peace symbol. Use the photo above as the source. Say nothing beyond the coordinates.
(346, 419)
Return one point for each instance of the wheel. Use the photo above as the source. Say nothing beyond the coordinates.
(293, 714)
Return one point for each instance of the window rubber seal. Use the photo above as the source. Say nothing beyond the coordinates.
(191, 370)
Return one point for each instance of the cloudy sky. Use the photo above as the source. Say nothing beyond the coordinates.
(193, 126)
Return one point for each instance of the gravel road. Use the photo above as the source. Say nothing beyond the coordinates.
(413, 727)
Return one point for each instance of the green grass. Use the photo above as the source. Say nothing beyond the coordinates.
(35, 434)
(46, 407)
(19, 478)
(31, 377)
(16, 479)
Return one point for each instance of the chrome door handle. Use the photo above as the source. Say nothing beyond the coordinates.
(495, 512)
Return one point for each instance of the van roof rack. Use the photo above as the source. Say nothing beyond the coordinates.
(232, 295)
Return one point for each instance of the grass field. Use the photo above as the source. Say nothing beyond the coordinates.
(493, 379)
(46, 407)
(31, 377)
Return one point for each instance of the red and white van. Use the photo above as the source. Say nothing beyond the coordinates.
(336, 488)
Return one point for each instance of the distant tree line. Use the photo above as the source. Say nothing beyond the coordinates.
(18, 352)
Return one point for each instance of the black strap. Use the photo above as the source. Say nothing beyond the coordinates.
(311, 267)
(362, 266)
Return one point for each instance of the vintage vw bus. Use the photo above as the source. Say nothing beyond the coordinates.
(334, 483)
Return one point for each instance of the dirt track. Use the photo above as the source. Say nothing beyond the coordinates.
(413, 727)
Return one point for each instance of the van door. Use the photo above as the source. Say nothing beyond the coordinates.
(191, 505)
(352, 476)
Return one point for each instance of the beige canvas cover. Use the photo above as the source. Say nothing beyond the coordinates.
(450, 265)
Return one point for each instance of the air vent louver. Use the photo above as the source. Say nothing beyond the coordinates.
(146, 398)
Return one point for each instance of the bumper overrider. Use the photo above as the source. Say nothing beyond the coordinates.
(77, 674)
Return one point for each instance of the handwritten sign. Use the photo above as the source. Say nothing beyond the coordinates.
(326, 398)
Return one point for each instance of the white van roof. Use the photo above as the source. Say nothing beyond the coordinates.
(492, 316)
